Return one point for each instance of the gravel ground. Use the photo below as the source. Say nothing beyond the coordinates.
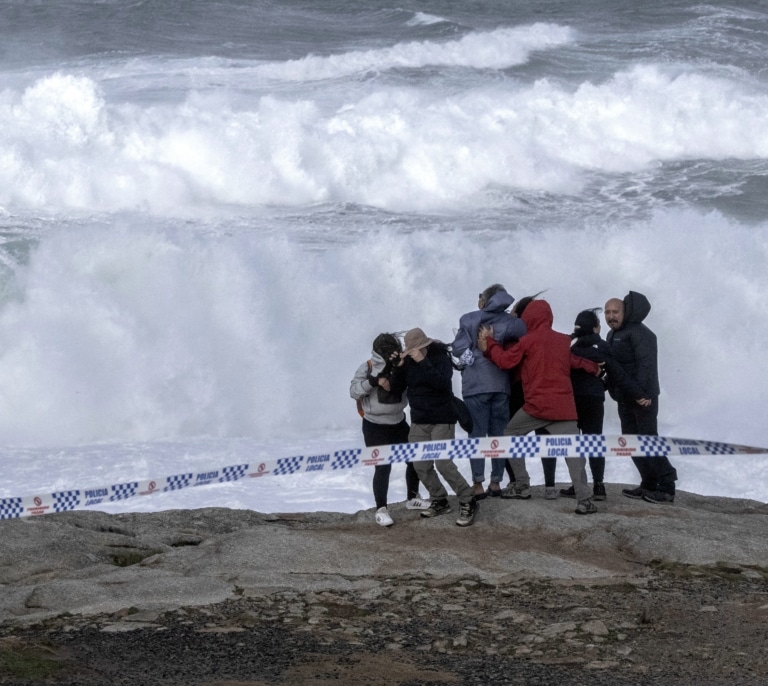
(668, 625)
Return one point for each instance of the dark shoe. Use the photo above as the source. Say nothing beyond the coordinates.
(658, 497)
(635, 493)
(598, 491)
(478, 492)
(467, 513)
(517, 490)
(493, 492)
(569, 492)
(437, 507)
(586, 507)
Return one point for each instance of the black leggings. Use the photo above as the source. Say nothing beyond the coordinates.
(389, 434)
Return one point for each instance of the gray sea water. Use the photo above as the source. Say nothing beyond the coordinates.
(209, 209)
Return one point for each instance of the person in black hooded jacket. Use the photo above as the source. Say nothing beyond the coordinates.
(634, 347)
(589, 390)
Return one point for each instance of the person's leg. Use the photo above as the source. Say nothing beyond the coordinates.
(499, 418)
(549, 465)
(381, 474)
(664, 474)
(412, 482)
(629, 425)
(591, 411)
(425, 469)
(447, 468)
(379, 434)
(480, 410)
(520, 425)
(400, 433)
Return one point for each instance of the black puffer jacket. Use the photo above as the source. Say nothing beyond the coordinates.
(596, 349)
(634, 348)
(430, 390)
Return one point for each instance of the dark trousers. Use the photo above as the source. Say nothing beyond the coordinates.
(656, 473)
(591, 411)
(389, 434)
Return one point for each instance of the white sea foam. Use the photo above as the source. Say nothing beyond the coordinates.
(498, 49)
(144, 333)
(65, 146)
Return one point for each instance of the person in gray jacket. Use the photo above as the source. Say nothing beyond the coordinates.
(382, 406)
(485, 387)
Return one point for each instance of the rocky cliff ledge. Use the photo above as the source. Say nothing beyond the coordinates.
(531, 593)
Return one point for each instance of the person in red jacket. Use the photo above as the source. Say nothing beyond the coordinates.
(545, 361)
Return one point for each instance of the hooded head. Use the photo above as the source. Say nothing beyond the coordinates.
(494, 299)
(636, 308)
(537, 315)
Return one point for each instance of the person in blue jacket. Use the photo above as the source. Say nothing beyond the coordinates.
(484, 387)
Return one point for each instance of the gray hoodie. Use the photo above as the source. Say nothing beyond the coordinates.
(361, 389)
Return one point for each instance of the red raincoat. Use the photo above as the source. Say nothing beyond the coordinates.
(545, 361)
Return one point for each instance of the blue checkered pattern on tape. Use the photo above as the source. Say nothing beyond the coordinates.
(719, 448)
(177, 482)
(11, 508)
(654, 446)
(123, 491)
(233, 472)
(344, 459)
(525, 446)
(288, 465)
(463, 447)
(65, 500)
(590, 445)
(405, 452)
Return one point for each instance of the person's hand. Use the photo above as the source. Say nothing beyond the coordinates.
(483, 333)
(644, 402)
(384, 383)
(600, 370)
(417, 355)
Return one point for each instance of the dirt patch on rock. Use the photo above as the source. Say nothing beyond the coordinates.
(670, 624)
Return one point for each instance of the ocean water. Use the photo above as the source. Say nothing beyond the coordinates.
(209, 209)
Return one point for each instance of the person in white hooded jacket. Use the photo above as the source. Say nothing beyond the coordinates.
(382, 408)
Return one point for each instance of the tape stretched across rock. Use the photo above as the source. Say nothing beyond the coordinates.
(587, 445)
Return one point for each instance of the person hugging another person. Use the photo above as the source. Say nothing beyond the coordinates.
(485, 387)
(545, 361)
(382, 406)
(426, 371)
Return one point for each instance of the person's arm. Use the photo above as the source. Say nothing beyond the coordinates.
(643, 342)
(361, 385)
(589, 366)
(504, 358)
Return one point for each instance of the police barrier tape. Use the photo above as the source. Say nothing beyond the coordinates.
(587, 445)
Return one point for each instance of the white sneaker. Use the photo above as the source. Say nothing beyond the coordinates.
(417, 504)
(383, 518)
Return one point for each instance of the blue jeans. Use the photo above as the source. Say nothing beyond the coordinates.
(490, 414)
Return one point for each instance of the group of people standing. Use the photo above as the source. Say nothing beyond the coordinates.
(518, 376)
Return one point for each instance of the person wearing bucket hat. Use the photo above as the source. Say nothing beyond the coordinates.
(484, 387)
(427, 371)
(382, 407)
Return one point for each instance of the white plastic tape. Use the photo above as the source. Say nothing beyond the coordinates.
(582, 445)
